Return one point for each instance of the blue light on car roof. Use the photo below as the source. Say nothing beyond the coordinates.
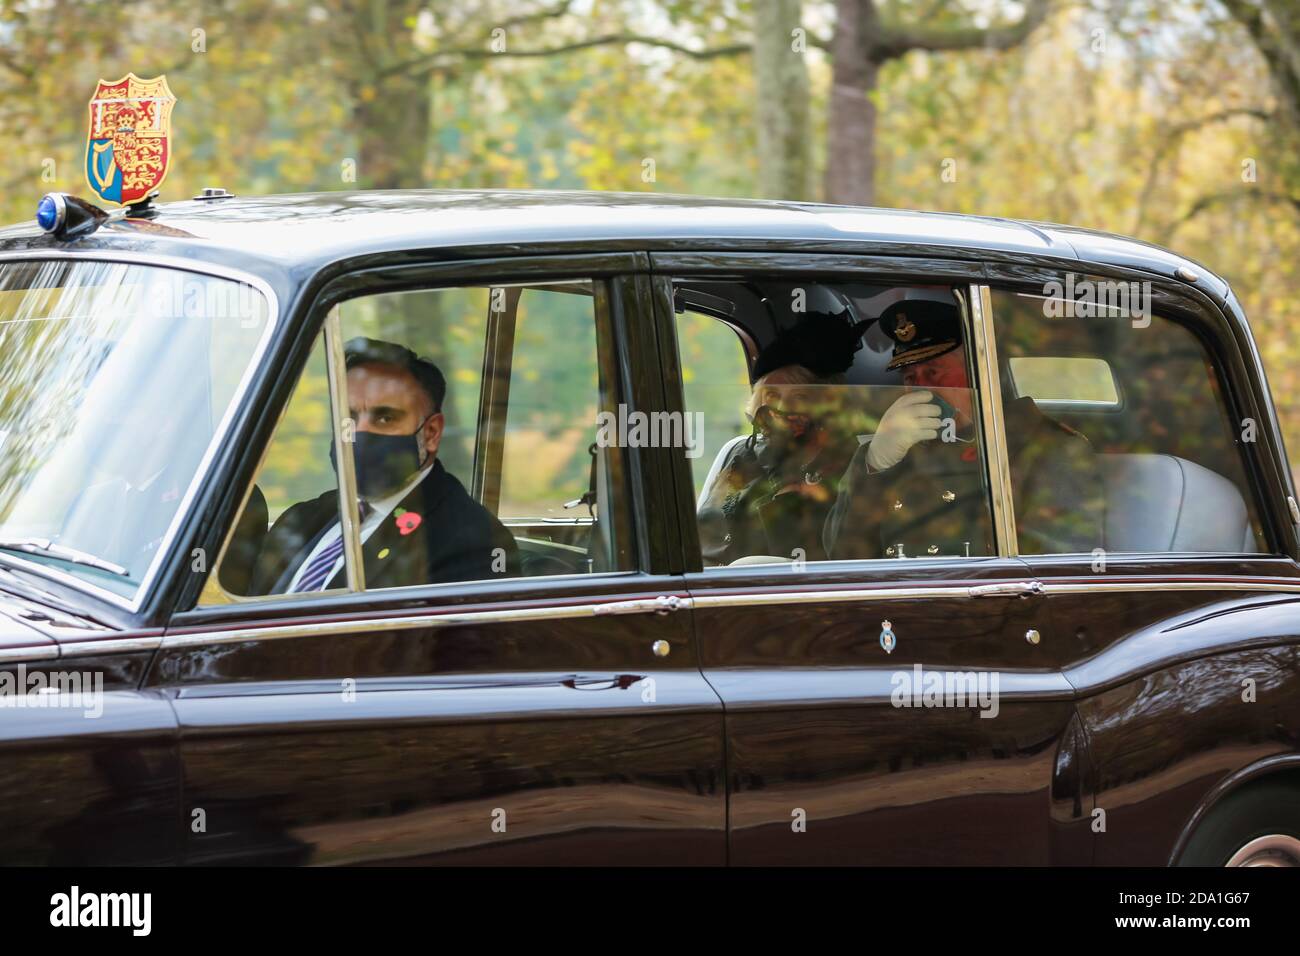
(47, 214)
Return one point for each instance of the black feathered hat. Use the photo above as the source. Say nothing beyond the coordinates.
(822, 342)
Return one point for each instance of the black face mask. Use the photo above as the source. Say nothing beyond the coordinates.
(383, 462)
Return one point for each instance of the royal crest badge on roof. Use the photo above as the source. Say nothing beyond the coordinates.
(128, 149)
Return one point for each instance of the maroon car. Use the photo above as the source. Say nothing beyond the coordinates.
(671, 530)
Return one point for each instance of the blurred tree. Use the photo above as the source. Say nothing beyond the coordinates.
(397, 54)
(868, 34)
(1274, 26)
(781, 112)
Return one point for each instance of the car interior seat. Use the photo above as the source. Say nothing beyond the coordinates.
(1162, 503)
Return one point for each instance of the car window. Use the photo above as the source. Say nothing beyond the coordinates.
(1115, 412)
(116, 384)
(839, 421)
(554, 396)
(471, 420)
(715, 380)
(295, 471)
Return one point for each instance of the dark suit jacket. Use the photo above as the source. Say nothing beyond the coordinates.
(448, 537)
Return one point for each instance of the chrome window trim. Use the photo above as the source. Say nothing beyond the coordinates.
(703, 600)
(698, 601)
(1285, 586)
(59, 651)
(220, 434)
(255, 600)
(29, 654)
(385, 624)
(831, 596)
(120, 645)
(993, 425)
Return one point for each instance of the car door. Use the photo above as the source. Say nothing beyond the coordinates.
(548, 710)
(841, 746)
(1179, 628)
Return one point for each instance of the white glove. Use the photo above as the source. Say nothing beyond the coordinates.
(908, 421)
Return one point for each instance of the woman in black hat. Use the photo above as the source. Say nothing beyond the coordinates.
(772, 493)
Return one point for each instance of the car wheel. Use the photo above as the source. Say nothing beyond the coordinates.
(1256, 826)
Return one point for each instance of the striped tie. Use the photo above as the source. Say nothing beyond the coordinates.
(318, 572)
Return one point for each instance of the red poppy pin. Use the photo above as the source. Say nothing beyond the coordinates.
(407, 522)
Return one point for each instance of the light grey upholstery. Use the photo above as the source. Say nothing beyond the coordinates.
(1164, 503)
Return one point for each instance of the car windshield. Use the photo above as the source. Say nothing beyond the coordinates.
(115, 380)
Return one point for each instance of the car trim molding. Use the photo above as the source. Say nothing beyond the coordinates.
(1282, 585)
(657, 605)
(651, 605)
(909, 593)
(29, 652)
(763, 689)
(989, 393)
(57, 651)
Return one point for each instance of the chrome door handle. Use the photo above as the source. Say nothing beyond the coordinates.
(1006, 589)
(663, 604)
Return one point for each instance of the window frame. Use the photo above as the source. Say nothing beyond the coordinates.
(498, 369)
(964, 276)
(747, 347)
(1228, 342)
(484, 485)
(617, 275)
(1234, 370)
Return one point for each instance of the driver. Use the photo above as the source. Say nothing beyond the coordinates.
(418, 524)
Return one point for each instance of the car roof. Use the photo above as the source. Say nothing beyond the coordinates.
(311, 230)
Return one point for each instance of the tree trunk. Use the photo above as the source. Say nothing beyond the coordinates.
(1275, 28)
(784, 138)
(393, 134)
(851, 120)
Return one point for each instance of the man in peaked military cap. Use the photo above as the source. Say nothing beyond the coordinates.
(916, 488)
